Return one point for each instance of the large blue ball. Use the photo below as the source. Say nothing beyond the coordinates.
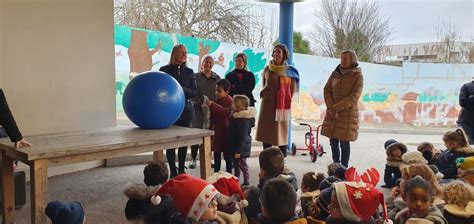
(153, 100)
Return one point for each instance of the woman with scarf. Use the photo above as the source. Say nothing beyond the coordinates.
(280, 83)
(341, 95)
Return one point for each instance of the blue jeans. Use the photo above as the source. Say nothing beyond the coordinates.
(341, 151)
(469, 131)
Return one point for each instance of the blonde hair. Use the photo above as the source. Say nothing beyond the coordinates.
(458, 193)
(241, 102)
(243, 56)
(174, 52)
(423, 170)
(456, 136)
(354, 58)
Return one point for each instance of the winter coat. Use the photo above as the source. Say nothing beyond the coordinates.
(458, 214)
(205, 87)
(7, 121)
(466, 101)
(239, 130)
(242, 82)
(185, 77)
(268, 130)
(167, 213)
(293, 220)
(307, 199)
(447, 161)
(220, 117)
(434, 215)
(138, 204)
(341, 94)
(253, 194)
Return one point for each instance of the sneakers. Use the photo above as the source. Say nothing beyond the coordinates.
(192, 165)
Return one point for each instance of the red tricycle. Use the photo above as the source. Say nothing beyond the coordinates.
(315, 149)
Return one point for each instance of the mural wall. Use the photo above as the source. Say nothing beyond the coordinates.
(418, 94)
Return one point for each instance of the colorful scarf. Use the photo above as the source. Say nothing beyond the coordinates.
(283, 98)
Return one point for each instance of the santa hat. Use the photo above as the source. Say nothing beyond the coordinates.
(358, 198)
(191, 195)
(228, 187)
(465, 163)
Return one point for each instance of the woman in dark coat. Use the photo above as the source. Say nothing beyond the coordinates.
(242, 81)
(9, 125)
(185, 76)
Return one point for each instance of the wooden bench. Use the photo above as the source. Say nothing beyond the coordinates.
(75, 147)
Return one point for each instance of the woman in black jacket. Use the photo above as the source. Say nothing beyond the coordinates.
(185, 76)
(9, 125)
(466, 117)
(242, 81)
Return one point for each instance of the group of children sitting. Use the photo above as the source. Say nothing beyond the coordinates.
(427, 186)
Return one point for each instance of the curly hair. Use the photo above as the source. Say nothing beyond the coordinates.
(423, 170)
(458, 193)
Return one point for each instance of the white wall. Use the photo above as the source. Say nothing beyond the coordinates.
(57, 64)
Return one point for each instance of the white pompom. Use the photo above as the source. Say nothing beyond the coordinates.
(156, 199)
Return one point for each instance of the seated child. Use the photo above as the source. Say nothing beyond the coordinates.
(466, 169)
(231, 202)
(356, 200)
(272, 165)
(459, 207)
(138, 204)
(332, 168)
(394, 151)
(278, 203)
(310, 190)
(430, 153)
(319, 210)
(418, 195)
(413, 157)
(238, 137)
(65, 212)
(194, 198)
(457, 146)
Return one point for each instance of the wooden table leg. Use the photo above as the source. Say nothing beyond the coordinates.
(158, 156)
(38, 190)
(205, 157)
(8, 190)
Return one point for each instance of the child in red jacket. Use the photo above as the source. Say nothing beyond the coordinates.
(219, 122)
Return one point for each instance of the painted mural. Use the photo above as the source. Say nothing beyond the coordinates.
(417, 93)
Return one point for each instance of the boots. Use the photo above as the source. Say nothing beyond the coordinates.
(192, 165)
(173, 172)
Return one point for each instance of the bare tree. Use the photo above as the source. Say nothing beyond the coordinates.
(234, 21)
(449, 47)
(350, 24)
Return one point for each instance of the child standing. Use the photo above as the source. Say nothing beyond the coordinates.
(242, 81)
(310, 188)
(457, 146)
(418, 195)
(219, 122)
(240, 127)
(395, 151)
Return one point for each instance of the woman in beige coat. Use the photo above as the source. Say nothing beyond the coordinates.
(341, 95)
(279, 85)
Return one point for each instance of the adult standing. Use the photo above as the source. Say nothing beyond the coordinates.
(178, 69)
(9, 127)
(280, 83)
(341, 95)
(206, 85)
(242, 81)
(466, 117)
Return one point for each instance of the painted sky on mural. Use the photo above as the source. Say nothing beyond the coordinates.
(413, 21)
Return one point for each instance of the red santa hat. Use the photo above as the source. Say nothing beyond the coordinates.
(228, 187)
(358, 198)
(191, 195)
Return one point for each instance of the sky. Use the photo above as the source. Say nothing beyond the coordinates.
(411, 21)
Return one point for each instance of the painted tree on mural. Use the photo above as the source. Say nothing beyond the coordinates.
(357, 25)
(256, 62)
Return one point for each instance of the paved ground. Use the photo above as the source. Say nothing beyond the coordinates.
(100, 189)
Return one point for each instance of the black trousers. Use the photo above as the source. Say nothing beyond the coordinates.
(341, 151)
(182, 151)
(283, 148)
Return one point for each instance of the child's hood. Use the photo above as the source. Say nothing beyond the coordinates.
(290, 177)
(139, 191)
(310, 194)
(251, 112)
(466, 149)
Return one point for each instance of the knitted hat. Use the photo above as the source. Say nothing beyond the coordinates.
(65, 212)
(465, 163)
(414, 157)
(191, 195)
(358, 198)
(326, 183)
(392, 143)
(323, 201)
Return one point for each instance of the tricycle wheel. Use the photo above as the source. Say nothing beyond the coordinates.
(321, 150)
(314, 154)
(293, 149)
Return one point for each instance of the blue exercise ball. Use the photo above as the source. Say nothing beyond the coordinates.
(153, 100)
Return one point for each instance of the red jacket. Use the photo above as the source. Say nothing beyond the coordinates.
(220, 116)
